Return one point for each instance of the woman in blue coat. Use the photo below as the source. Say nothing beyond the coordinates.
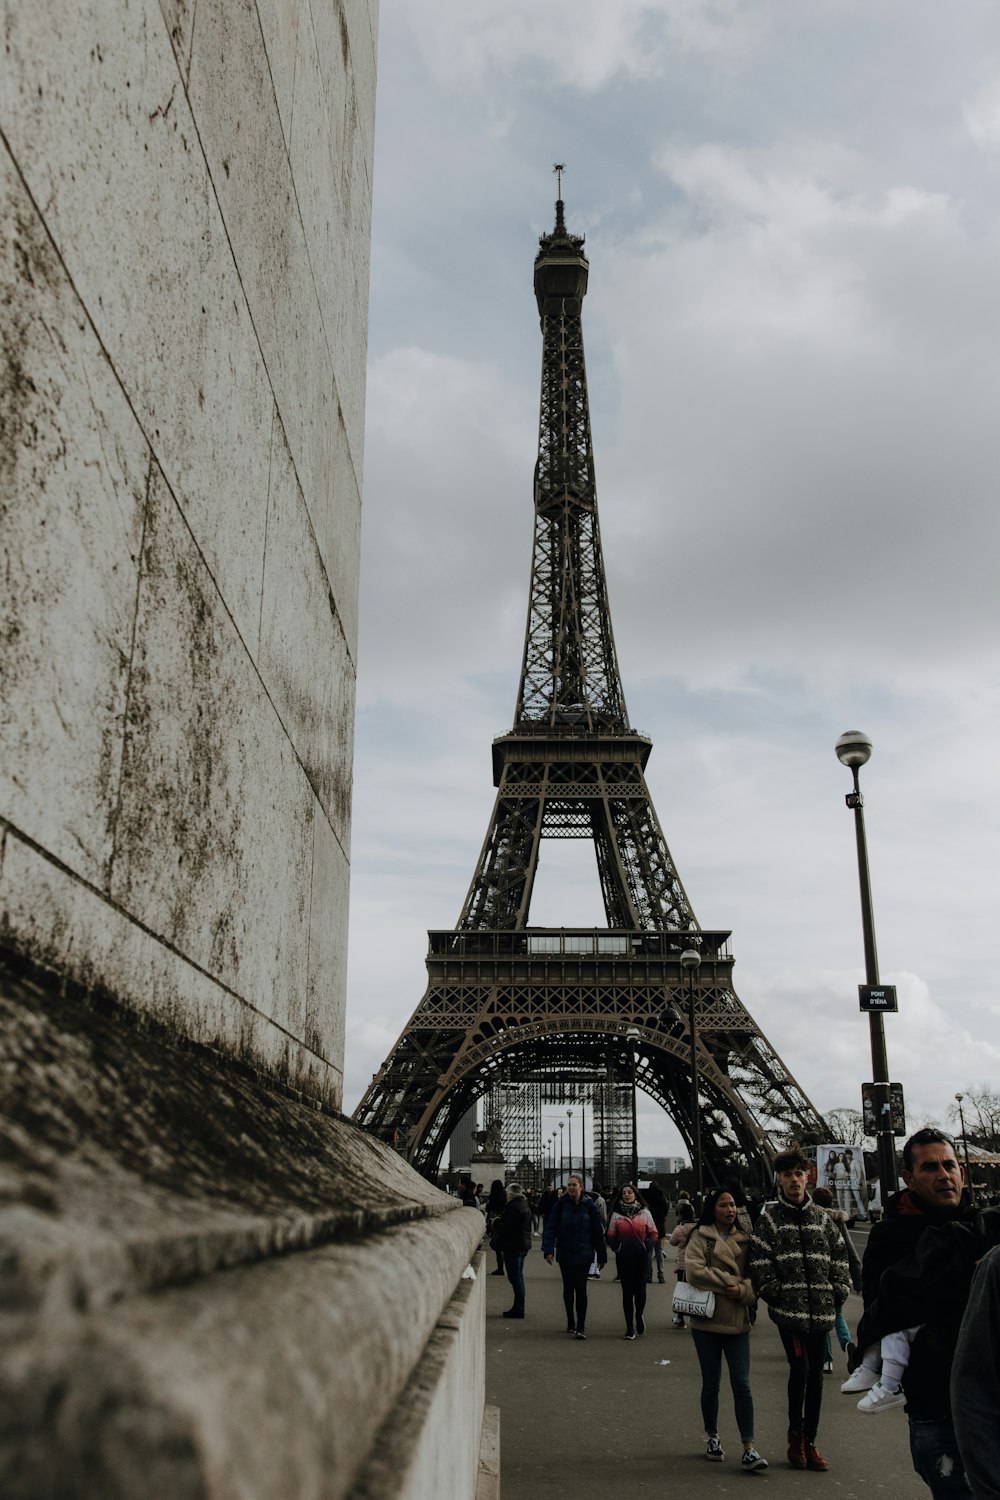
(573, 1236)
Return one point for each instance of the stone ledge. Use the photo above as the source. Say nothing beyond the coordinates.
(428, 1446)
(161, 1338)
(488, 1487)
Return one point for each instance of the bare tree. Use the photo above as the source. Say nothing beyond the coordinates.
(981, 1108)
(846, 1126)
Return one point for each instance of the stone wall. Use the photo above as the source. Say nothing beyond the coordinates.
(212, 1286)
(186, 195)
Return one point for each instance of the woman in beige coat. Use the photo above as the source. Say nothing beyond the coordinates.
(715, 1258)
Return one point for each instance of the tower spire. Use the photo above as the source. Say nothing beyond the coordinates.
(569, 674)
(559, 169)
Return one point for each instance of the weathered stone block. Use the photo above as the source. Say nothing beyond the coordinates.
(70, 445)
(213, 848)
(304, 659)
(178, 16)
(279, 24)
(326, 992)
(68, 927)
(99, 124)
(332, 169)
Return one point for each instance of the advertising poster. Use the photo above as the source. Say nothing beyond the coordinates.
(842, 1169)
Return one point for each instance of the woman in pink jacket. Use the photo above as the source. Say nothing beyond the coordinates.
(629, 1230)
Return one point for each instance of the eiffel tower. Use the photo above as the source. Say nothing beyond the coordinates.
(505, 1001)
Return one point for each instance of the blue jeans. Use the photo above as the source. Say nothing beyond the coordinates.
(937, 1460)
(513, 1264)
(843, 1335)
(654, 1251)
(710, 1347)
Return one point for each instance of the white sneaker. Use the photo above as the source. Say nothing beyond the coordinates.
(880, 1399)
(862, 1380)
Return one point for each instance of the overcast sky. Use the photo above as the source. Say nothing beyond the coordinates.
(792, 216)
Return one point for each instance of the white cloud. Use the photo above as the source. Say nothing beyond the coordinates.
(585, 44)
(982, 114)
(449, 460)
(793, 335)
(806, 380)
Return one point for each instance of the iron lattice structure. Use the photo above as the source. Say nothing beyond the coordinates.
(517, 1104)
(507, 1002)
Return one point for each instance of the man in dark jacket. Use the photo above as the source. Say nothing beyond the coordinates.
(547, 1202)
(798, 1265)
(657, 1205)
(898, 1286)
(514, 1242)
(975, 1381)
(574, 1234)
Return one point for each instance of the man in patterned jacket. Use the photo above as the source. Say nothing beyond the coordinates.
(798, 1266)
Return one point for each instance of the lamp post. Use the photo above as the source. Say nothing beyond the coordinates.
(583, 1146)
(569, 1118)
(965, 1149)
(632, 1036)
(691, 963)
(561, 1153)
(853, 751)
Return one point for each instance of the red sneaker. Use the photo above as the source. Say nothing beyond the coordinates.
(796, 1448)
(815, 1459)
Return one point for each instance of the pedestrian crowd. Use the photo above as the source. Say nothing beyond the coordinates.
(928, 1340)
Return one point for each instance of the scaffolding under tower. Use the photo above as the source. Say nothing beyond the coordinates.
(602, 1137)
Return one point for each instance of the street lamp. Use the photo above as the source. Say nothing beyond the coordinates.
(560, 1153)
(583, 1145)
(691, 963)
(632, 1036)
(569, 1117)
(853, 751)
(965, 1149)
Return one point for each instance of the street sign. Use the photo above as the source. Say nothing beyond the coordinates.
(877, 997)
(870, 1112)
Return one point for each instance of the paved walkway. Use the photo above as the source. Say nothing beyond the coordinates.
(606, 1418)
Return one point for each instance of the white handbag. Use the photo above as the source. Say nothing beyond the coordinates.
(694, 1302)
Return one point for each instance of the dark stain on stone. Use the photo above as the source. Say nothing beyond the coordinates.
(93, 1091)
(182, 807)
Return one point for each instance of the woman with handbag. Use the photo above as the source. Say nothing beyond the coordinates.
(715, 1260)
(682, 1233)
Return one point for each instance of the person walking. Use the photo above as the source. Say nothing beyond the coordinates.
(798, 1266)
(599, 1202)
(682, 1232)
(547, 1202)
(573, 1235)
(495, 1205)
(716, 1260)
(823, 1200)
(630, 1230)
(514, 1238)
(975, 1380)
(657, 1205)
(916, 1274)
